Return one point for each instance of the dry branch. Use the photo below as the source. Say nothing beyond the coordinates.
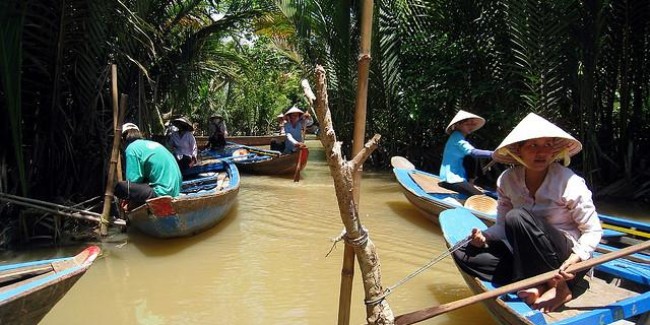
(356, 236)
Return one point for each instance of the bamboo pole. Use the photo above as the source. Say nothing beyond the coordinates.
(116, 115)
(347, 272)
(108, 194)
(56, 208)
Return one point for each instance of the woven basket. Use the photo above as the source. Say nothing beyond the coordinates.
(482, 203)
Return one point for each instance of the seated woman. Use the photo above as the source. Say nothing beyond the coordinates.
(217, 131)
(546, 219)
(452, 172)
(183, 144)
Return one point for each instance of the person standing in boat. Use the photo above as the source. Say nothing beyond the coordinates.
(151, 170)
(546, 219)
(297, 120)
(183, 144)
(453, 175)
(217, 131)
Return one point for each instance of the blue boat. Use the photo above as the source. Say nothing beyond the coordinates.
(422, 190)
(618, 291)
(29, 290)
(208, 193)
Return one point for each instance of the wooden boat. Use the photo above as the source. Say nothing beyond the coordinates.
(603, 303)
(422, 190)
(270, 162)
(207, 195)
(253, 140)
(260, 161)
(29, 290)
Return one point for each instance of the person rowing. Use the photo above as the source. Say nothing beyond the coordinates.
(546, 219)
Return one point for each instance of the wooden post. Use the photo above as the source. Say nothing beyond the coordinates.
(347, 272)
(115, 114)
(108, 194)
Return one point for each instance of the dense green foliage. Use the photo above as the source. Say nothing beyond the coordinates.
(582, 64)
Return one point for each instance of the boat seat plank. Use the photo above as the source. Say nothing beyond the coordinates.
(626, 269)
(14, 274)
(609, 233)
(636, 257)
(430, 184)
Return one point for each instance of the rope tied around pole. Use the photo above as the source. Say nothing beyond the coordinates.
(359, 241)
(439, 258)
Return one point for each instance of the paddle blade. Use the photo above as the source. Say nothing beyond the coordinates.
(401, 162)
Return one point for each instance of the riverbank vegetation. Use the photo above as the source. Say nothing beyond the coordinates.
(581, 64)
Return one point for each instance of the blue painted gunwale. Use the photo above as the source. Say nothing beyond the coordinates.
(508, 309)
(430, 204)
(29, 299)
(194, 213)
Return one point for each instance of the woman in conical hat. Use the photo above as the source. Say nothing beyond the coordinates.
(545, 213)
(183, 143)
(453, 175)
(297, 120)
(217, 131)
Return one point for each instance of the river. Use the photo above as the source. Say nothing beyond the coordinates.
(271, 261)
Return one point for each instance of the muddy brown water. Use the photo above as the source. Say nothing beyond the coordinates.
(268, 262)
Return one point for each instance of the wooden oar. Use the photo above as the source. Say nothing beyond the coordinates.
(296, 174)
(401, 162)
(487, 167)
(637, 258)
(421, 315)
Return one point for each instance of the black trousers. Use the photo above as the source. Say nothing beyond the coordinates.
(537, 247)
(136, 193)
(184, 162)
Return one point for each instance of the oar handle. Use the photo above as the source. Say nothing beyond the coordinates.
(296, 174)
(421, 315)
(487, 167)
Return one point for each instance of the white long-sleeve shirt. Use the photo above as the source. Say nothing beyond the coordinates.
(563, 199)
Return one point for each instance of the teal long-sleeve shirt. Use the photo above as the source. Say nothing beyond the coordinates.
(150, 162)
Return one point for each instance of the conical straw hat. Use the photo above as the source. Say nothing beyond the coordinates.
(534, 126)
(462, 115)
(184, 121)
(294, 109)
